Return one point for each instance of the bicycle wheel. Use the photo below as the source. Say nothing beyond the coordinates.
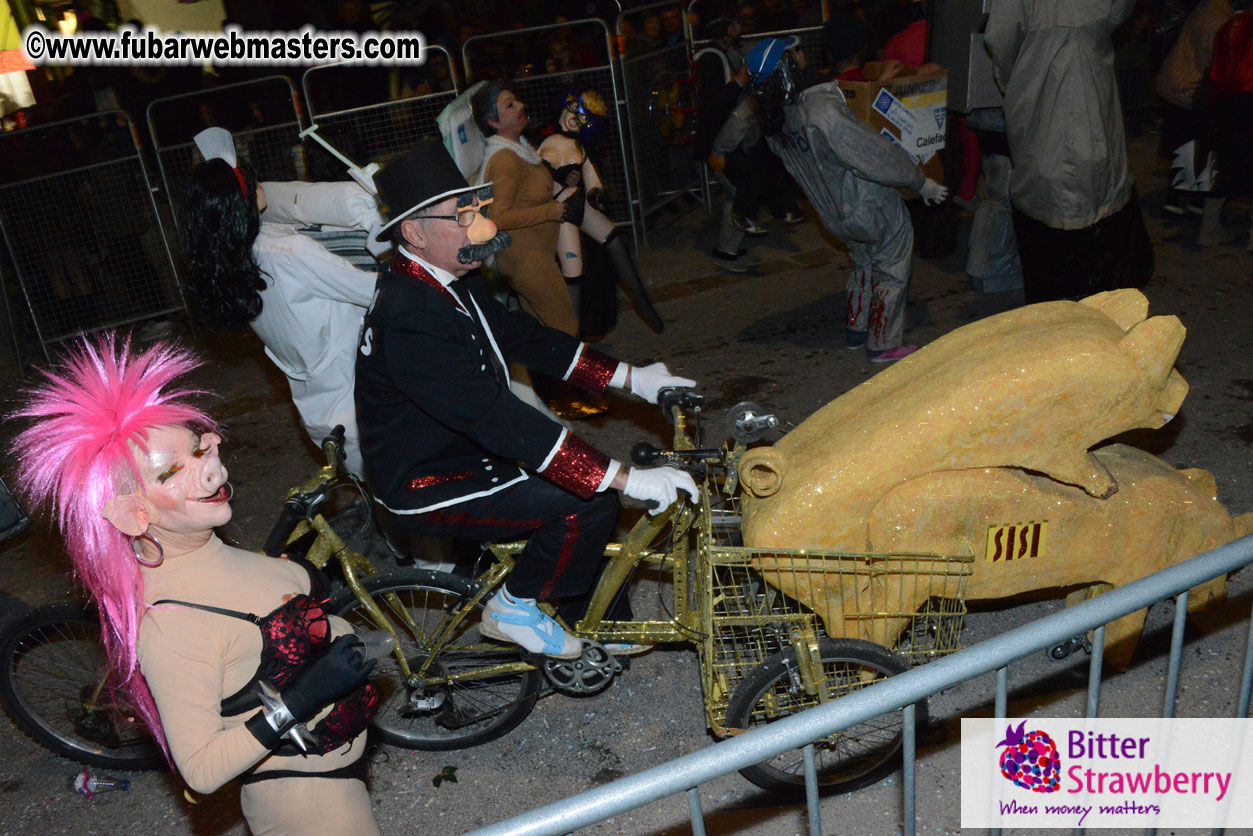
(851, 759)
(455, 715)
(53, 666)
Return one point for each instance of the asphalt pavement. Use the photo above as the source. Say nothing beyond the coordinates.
(774, 338)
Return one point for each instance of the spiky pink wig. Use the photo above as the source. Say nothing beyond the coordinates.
(77, 454)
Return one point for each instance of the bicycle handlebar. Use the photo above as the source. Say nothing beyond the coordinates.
(684, 399)
(293, 513)
(646, 454)
(300, 503)
(333, 446)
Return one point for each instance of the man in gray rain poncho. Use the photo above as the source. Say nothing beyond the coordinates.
(1076, 216)
(849, 173)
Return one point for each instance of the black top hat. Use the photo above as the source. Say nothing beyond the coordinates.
(425, 176)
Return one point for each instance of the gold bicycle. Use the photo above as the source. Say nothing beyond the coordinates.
(776, 631)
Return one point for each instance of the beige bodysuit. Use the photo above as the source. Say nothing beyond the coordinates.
(192, 659)
(524, 207)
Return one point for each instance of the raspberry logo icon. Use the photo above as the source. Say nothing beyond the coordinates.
(1030, 759)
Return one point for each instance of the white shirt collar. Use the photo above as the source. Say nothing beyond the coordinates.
(442, 276)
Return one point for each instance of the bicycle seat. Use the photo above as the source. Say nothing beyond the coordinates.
(410, 549)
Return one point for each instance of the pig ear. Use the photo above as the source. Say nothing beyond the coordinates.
(129, 514)
(1126, 306)
(1153, 345)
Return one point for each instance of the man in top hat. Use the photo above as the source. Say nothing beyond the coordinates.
(448, 448)
(850, 174)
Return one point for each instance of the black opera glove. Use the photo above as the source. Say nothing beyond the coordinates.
(572, 208)
(329, 678)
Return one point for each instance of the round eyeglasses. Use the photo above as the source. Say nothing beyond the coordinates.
(464, 217)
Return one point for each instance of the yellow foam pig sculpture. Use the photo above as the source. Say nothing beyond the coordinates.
(981, 443)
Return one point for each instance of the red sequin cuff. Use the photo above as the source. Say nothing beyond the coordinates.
(593, 371)
(577, 466)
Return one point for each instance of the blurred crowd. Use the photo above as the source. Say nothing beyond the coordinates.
(446, 24)
(1162, 59)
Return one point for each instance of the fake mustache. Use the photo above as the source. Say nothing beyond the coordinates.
(480, 252)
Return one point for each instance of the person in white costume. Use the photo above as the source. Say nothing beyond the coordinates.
(248, 264)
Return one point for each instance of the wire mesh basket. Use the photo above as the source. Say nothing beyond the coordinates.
(761, 601)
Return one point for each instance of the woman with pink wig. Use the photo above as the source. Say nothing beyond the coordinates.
(226, 655)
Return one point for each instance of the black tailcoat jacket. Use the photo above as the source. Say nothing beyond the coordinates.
(439, 424)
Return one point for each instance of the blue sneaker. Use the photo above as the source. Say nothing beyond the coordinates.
(854, 339)
(520, 621)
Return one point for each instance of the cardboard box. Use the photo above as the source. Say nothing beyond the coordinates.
(912, 111)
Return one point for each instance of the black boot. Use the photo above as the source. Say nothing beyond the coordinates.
(574, 286)
(598, 298)
(630, 279)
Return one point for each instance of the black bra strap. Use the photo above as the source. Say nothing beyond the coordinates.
(246, 616)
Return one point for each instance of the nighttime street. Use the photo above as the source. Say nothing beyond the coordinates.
(775, 338)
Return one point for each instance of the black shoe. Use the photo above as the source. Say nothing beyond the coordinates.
(732, 263)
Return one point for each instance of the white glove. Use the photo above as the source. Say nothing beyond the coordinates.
(647, 381)
(932, 192)
(659, 485)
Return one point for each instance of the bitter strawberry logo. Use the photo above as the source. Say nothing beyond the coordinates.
(1030, 759)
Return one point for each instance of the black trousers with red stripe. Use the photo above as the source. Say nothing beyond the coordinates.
(566, 539)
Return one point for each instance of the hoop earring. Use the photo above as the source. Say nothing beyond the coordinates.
(231, 489)
(139, 555)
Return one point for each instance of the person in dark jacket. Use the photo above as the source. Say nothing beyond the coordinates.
(449, 449)
(728, 141)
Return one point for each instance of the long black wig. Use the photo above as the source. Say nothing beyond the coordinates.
(220, 225)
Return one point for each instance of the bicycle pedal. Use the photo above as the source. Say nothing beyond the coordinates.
(590, 673)
(97, 727)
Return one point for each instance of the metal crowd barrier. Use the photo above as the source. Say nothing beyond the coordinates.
(377, 131)
(263, 116)
(661, 110)
(901, 692)
(82, 229)
(809, 41)
(486, 56)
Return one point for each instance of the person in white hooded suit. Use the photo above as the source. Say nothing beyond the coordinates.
(251, 263)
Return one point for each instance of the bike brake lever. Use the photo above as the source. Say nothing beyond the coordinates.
(684, 399)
